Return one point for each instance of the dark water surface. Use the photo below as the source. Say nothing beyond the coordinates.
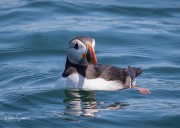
(34, 36)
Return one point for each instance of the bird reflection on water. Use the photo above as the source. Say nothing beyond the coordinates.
(84, 103)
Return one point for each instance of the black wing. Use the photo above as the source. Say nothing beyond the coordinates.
(108, 72)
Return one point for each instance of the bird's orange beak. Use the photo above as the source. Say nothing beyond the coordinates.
(90, 54)
(93, 55)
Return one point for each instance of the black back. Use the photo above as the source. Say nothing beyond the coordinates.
(102, 71)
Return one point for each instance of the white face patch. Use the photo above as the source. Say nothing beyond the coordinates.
(77, 50)
(93, 44)
(75, 55)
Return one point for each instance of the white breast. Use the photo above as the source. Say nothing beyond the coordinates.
(77, 81)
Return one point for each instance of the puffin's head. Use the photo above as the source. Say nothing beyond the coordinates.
(81, 51)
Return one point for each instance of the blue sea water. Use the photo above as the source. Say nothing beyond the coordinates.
(34, 36)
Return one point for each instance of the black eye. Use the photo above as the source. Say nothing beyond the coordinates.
(76, 46)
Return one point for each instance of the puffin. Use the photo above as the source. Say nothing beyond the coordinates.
(82, 70)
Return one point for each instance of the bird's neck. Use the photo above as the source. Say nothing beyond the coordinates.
(76, 67)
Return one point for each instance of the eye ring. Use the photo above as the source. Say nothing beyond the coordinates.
(76, 46)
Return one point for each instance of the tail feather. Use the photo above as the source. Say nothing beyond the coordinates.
(133, 72)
